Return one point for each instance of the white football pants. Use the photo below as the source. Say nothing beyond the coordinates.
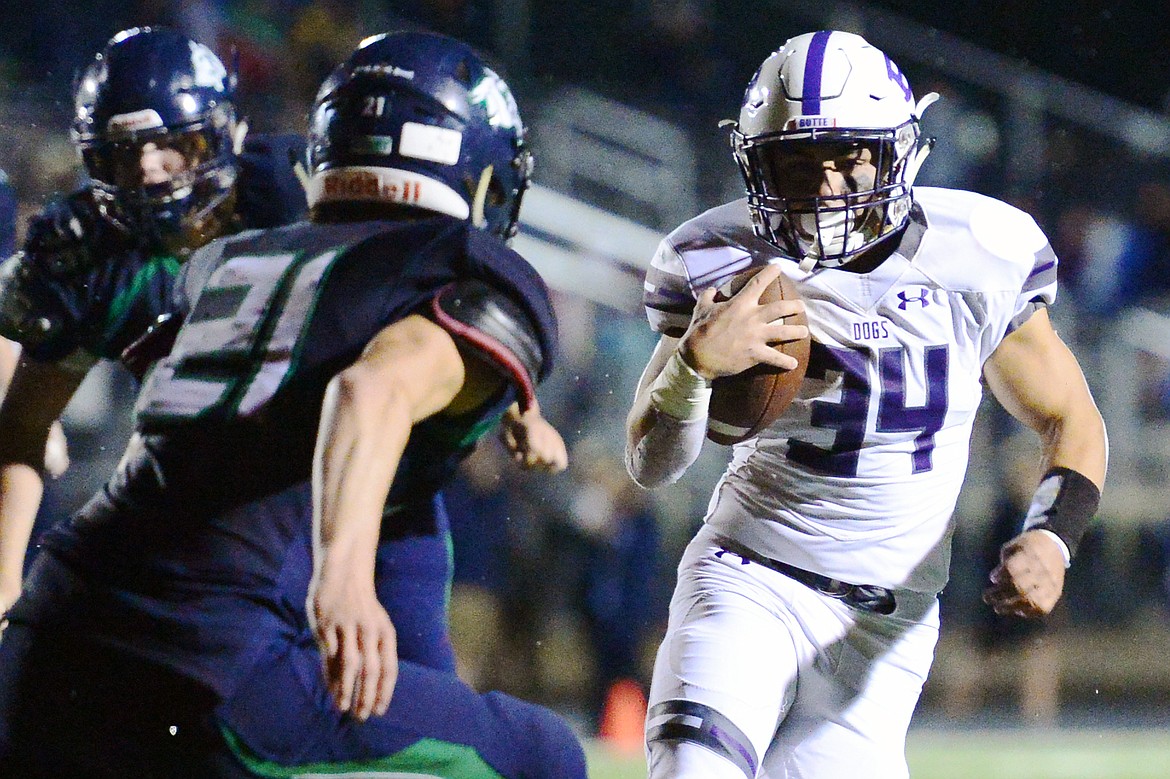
(759, 676)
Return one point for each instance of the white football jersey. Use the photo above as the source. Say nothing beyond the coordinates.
(859, 478)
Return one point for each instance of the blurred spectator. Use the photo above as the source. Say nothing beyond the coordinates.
(679, 55)
(611, 549)
(322, 34)
(1113, 261)
(997, 640)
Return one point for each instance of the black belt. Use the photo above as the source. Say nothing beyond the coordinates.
(866, 597)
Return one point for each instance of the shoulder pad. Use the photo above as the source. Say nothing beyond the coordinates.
(19, 319)
(494, 324)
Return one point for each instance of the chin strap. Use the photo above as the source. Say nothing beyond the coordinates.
(919, 155)
(481, 190)
(238, 133)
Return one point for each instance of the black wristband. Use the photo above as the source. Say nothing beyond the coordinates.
(1064, 503)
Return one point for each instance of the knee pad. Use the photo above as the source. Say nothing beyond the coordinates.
(687, 723)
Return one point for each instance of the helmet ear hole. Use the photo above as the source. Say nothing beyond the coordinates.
(496, 196)
(463, 74)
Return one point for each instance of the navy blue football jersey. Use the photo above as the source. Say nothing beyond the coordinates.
(204, 528)
(101, 296)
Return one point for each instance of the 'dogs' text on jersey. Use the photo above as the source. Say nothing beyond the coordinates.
(858, 480)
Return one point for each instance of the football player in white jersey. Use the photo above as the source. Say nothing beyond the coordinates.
(805, 616)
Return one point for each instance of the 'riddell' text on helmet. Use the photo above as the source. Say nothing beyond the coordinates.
(418, 119)
(153, 88)
(828, 93)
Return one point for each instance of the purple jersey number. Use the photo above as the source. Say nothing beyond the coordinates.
(849, 414)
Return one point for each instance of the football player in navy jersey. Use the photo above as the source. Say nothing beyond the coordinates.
(217, 609)
(168, 168)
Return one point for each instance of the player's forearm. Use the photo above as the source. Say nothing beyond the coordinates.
(667, 449)
(8, 351)
(363, 433)
(667, 424)
(1078, 441)
(21, 489)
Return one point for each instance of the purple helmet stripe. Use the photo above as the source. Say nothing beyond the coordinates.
(814, 64)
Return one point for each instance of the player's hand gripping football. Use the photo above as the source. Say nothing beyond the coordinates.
(358, 643)
(730, 336)
(532, 440)
(1029, 578)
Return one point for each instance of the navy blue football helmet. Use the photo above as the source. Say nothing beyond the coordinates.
(418, 119)
(148, 89)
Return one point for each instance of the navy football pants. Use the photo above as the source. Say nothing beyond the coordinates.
(68, 708)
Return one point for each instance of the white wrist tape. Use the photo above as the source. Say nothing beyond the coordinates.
(680, 392)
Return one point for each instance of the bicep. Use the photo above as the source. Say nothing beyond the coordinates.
(1039, 381)
(1033, 374)
(418, 361)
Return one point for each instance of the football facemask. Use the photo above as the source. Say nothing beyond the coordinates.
(819, 97)
(155, 88)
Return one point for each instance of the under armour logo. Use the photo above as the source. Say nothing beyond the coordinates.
(907, 299)
(742, 560)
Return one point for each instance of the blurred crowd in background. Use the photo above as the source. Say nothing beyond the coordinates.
(562, 584)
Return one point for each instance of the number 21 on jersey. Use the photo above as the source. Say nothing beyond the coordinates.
(240, 341)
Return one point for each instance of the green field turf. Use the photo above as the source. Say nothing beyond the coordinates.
(976, 754)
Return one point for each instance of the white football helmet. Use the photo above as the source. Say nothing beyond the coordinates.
(833, 89)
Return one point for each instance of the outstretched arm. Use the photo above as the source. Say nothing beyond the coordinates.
(411, 370)
(667, 422)
(1036, 378)
(34, 400)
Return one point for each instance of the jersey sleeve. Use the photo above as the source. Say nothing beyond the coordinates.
(39, 299)
(78, 285)
(696, 256)
(23, 302)
(667, 295)
(100, 310)
(1014, 267)
(1039, 289)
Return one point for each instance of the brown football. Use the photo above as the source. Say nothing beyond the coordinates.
(744, 404)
